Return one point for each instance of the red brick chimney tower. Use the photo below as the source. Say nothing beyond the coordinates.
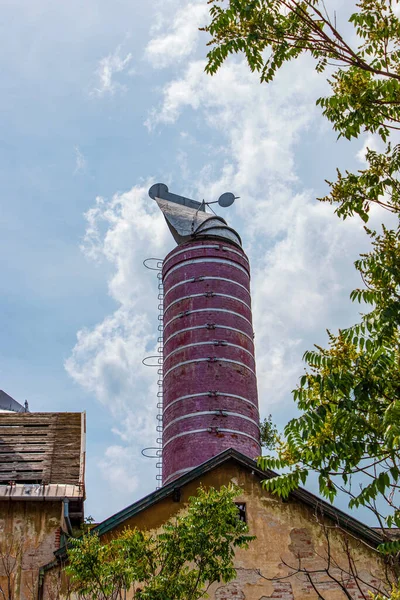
(209, 381)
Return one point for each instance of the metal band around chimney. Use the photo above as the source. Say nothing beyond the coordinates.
(185, 251)
(206, 278)
(212, 343)
(208, 359)
(209, 247)
(201, 260)
(205, 394)
(205, 326)
(220, 429)
(204, 295)
(201, 310)
(216, 413)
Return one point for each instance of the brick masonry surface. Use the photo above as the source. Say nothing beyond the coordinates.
(29, 533)
(209, 383)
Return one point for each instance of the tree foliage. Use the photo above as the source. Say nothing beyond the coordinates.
(191, 552)
(349, 429)
(365, 84)
(268, 433)
(350, 398)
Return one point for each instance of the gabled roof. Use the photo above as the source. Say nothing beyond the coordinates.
(344, 520)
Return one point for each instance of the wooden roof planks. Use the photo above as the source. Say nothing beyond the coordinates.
(42, 448)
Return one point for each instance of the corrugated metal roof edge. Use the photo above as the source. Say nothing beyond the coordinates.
(344, 520)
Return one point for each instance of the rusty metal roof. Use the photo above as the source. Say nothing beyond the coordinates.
(42, 449)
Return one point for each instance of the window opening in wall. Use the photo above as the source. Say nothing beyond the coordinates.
(242, 511)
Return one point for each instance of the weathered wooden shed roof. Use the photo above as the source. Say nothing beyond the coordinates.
(42, 448)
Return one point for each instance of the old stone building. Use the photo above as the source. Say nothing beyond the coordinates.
(41, 491)
(303, 532)
(210, 429)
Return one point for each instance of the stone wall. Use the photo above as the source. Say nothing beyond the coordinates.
(297, 553)
(29, 535)
(289, 535)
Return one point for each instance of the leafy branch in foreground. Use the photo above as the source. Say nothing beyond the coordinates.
(365, 85)
(350, 398)
(376, 185)
(349, 432)
(193, 550)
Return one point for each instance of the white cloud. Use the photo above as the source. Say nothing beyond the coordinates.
(300, 288)
(301, 254)
(80, 161)
(107, 359)
(257, 120)
(116, 469)
(371, 142)
(106, 70)
(180, 41)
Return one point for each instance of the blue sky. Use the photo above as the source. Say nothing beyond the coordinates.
(100, 100)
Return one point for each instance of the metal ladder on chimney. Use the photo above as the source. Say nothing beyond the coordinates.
(156, 361)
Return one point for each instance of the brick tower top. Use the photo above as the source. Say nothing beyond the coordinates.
(209, 381)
